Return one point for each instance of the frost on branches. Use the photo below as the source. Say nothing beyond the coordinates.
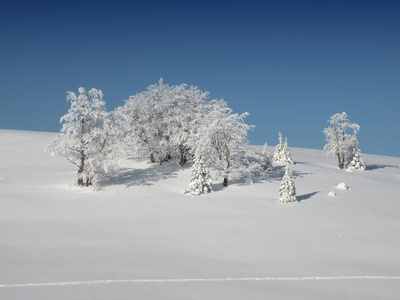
(279, 149)
(266, 160)
(163, 121)
(159, 124)
(287, 157)
(282, 152)
(356, 163)
(84, 139)
(177, 121)
(200, 182)
(342, 144)
(223, 140)
(287, 191)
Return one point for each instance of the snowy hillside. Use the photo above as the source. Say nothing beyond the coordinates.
(140, 237)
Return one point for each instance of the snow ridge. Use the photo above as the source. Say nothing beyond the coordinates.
(182, 280)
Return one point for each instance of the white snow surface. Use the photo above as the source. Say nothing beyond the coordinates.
(140, 237)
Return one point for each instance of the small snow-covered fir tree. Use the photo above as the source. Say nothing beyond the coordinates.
(282, 152)
(287, 191)
(279, 149)
(266, 160)
(356, 163)
(286, 156)
(201, 182)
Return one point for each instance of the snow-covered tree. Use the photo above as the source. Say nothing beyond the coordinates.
(84, 140)
(287, 191)
(356, 162)
(187, 117)
(286, 156)
(282, 152)
(339, 141)
(223, 140)
(178, 121)
(279, 149)
(200, 182)
(163, 121)
(266, 160)
(143, 119)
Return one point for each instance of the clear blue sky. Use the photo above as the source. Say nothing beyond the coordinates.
(291, 64)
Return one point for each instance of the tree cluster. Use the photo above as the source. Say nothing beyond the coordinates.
(282, 152)
(180, 122)
(161, 123)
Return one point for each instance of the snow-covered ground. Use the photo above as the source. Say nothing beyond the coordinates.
(140, 237)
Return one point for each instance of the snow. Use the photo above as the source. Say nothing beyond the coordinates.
(140, 237)
(342, 186)
(331, 194)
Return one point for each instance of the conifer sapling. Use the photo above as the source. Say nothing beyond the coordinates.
(200, 182)
(287, 191)
(266, 160)
(357, 163)
(286, 156)
(278, 149)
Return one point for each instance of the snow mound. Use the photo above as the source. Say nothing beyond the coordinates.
(331, 194)
(342, 186)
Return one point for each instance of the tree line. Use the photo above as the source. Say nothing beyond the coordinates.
(181, 121)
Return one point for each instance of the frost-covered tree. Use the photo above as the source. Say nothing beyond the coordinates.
(143, 120)
(287, 191)
(223, 140)
(340, 142)
(266, 159)
(286, 156)
(178, 121)
(200, 182)
(279, 149)
(187, 116)
(84, 139)
(282, 152)
(163, 121)
(356, 162)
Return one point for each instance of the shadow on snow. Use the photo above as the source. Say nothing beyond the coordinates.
(155, 172)
(145, 177)
(306, 196)
(268, 176)
(375, 167)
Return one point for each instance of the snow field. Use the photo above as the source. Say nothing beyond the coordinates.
(141, 237)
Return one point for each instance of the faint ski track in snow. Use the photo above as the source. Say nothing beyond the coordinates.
(183, 280)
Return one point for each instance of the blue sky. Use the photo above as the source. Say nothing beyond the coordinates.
(291, 64)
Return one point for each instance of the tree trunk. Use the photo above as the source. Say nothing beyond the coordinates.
(81, 167)
(152, 158)
(343, 162)
(225, 183)
(340, 165)
(183, 159)
(82, 156)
